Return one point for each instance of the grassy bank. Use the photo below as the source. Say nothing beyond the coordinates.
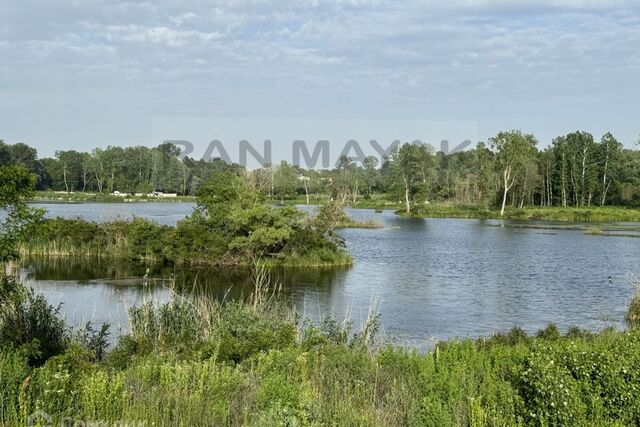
(351, 223)
(382, 201)
(81, 197)
(377, 201)
(592, 214)
(197, 362)
(578, 214)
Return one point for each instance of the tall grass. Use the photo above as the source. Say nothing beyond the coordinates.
(196, 361)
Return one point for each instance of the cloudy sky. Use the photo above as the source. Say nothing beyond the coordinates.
(85, 73)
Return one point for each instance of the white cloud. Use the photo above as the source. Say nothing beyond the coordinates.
(317, 56)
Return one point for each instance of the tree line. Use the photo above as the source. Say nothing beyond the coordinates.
(508, 170)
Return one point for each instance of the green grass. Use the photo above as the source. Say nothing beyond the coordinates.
(577, 214)
(436, 210)
(351, 223)
(316, 260)
(195, 361)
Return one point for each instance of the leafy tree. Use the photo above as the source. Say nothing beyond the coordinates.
(371, 174)
(70, 170)
(16, 187)
(5, 154)
(609, 155)
(285, 181)
(581, 150)
(483, 173)
(513, 151)
(560, 150)
(408, 167)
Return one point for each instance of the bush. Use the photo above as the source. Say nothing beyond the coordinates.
(633, 313)
(54, 386)
(96, 341)
(550, 333)
(28, 322)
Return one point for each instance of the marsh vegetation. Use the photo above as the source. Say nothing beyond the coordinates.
(194, 361)
(231, 226)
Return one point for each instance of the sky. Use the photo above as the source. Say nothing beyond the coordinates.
(79, 74)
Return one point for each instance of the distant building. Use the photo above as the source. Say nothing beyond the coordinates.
(162, 195)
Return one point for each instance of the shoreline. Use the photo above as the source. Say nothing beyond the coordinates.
(533, 213)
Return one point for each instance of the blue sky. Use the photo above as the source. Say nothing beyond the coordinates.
(84, 73)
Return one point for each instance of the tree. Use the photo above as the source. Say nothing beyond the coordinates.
(71, 166)
(483, 173)
(371, 173)
(608, 153)
(560, 150)
(85, 164)
(16, 187)
(285, 181)
(345, 183)
(5, 154)
(408, 164)
(234, 222)
(547, 165)
(305, 184)
(581, 149)
(513, 150)
(97, 167)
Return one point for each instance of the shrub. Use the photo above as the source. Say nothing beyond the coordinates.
(550, 333)
(515, 336)
(633, 312)
(94, 340)
(29, 322)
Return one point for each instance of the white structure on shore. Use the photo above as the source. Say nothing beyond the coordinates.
(158, 194)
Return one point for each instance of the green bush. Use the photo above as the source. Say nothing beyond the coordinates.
(633, 312)
(29, 322)
(550, 333)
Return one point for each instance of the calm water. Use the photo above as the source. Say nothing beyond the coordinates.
(432, 279)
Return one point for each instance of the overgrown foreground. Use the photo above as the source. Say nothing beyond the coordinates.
(195, 362)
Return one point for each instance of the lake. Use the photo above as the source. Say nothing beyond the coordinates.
(430, 279)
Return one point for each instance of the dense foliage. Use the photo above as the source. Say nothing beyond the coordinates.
(573, 170)
(16, 186)
(231, 226)
(194, 361)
